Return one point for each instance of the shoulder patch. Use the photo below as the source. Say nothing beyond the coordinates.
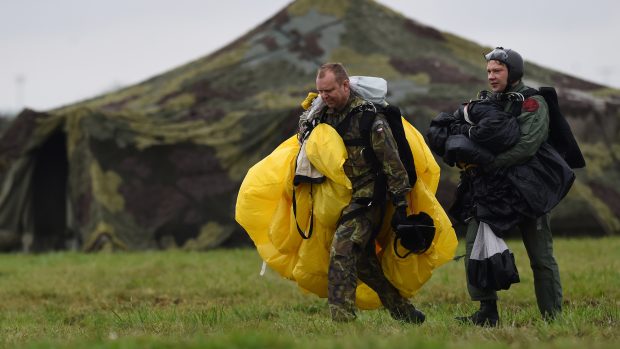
(530, 105)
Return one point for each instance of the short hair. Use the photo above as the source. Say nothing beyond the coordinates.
(336, 68)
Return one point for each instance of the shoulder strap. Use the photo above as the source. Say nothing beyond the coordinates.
(368, 115)
(529, 92)
(343, 126)
(301, 233)
(394, 118)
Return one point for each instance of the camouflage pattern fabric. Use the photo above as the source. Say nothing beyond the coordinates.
(352, 253)
(384, 146)
(111, 181)
(353, 256)
(232, 107)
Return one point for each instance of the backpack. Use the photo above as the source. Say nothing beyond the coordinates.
(561, 137)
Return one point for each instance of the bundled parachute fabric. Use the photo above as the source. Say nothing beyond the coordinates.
(560, 134)
(501, 197)
(504, 197)
(491, 264)
(264, 210)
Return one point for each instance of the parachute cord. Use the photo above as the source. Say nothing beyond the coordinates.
(396, 249)
(301, 233)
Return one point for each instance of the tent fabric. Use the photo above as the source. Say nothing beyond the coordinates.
(138, 182)
(264, 210)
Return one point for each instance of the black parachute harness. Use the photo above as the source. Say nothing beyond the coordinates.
(517, 97)
(369, 113)
(416, 234)
(561, 136)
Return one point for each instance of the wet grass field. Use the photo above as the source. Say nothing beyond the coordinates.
(217, 299)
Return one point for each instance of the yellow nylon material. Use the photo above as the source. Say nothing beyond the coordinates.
(264, 210)
(326, 152)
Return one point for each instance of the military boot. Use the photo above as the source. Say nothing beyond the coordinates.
(399, 307)
(341, 300)
(408, 313)
(342, 313)
(486, 316)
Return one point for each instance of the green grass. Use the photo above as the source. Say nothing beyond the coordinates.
(217, 299)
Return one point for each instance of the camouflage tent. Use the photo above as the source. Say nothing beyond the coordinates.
(165, 157)
(112, 179)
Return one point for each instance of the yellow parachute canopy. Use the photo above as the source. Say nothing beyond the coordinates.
(264, 210)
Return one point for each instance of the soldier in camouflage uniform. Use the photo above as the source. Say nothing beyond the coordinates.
(505, 71)
(352, 254)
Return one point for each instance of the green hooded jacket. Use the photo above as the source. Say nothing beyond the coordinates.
(534, 127)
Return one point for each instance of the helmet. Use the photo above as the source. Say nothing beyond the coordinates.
(416, 234)
(512, 59)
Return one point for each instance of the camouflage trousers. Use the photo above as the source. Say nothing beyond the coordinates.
(353, 256)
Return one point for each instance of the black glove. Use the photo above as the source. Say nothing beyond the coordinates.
(399, 216)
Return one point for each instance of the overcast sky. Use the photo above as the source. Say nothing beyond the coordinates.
(58, 52)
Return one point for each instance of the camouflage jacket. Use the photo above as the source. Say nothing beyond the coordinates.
(357, 169)
(534, 127)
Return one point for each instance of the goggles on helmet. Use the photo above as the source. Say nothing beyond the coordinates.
(498, 54)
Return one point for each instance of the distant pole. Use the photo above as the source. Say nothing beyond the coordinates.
(20, 81)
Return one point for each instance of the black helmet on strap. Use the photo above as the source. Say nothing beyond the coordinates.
(512, 59)
(416, 234)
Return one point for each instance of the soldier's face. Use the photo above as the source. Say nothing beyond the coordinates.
(497, 74)
(335, 95)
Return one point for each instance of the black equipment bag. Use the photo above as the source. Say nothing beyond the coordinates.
(560, 134)
(491, 265)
